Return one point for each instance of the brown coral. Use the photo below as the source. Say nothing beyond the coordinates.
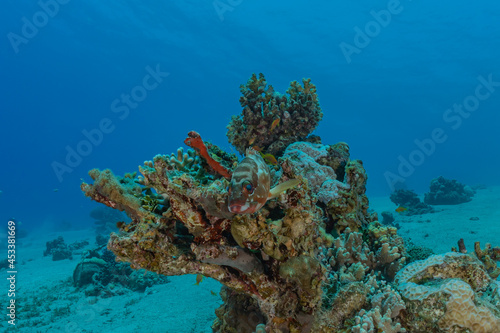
(298, 114)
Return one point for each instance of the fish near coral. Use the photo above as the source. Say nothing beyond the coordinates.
(401, 209)
(275, 123)
(250, 186)
(199, 278)
(269, 158)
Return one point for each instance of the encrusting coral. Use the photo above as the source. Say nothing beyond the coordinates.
(451, 292)
(312, 260)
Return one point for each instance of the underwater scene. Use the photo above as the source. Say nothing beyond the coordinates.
(236, 166)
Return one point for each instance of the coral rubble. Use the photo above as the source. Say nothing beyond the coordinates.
(312, 260)
(448, 192)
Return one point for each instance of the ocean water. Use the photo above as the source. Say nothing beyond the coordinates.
(379, 94)
(413, 86)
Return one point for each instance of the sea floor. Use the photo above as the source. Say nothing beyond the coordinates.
(474, 221)
(47, 301)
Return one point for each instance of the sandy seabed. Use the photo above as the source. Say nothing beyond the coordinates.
(50, 303)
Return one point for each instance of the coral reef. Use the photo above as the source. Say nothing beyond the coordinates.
(273, 121)
(319, 164)
(451, 292)
(489, 257)
(59, 250)
(409, 200)
(314, 259)
(448, 192)
(416, 252)
(99, 274)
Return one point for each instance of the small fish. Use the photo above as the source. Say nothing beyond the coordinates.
(250, 186)
(55, 190)
(213, 292)
(401, 209)
(199, 278)
(275, 123)
(257, 148)
(269, 158)
(252, 140)
(279, 320)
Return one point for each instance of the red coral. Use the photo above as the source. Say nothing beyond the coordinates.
(194, 141)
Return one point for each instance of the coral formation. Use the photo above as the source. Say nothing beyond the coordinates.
(59, 250)
(410, 201)
(271, 120)
(489, 257)
(451, 292)
(448, 192)
(416, 252)
(314, 259)
(99, 274)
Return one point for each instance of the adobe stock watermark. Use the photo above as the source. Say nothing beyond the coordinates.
(373, 28)
(31, 26)
(453, 117)
(121, 107)
(223, 6)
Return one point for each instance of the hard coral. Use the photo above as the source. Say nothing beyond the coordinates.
(271, 120)
(271, 257)
(448, 192)
(410, 200)
(314, 259)
(451, 292)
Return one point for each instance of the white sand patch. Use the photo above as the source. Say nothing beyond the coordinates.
(52, 304)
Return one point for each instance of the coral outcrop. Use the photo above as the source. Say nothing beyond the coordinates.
(59, 250)
(450, 292)
(314, 259)
(410, 202)
(99, 274)
(448, 192)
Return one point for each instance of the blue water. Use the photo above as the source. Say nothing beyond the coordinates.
(382, 85)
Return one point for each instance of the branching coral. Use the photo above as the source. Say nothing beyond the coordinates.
(489, 257)
(271, 120)
(386, 305)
